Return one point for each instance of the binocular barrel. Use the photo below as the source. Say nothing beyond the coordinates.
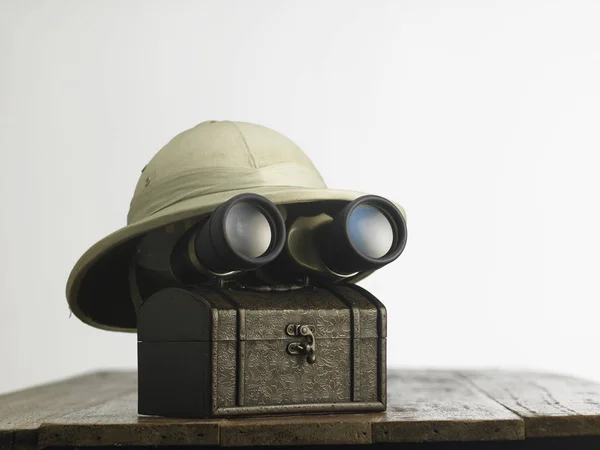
(248, 231)
(242, 234)
(366, 234)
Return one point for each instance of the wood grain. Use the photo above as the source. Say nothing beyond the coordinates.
(424, 405)
(297, 430)
(116, 421)
(551, 405)
(441, 406)
(22, 412)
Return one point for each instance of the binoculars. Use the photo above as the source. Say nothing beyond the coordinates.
(248, 236)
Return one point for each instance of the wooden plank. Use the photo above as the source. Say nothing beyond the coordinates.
(116, 422)
(22, 412)
(101, 409)
(441, 406)
(297, 430)
(551, 405)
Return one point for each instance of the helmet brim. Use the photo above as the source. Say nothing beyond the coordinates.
(98, 286)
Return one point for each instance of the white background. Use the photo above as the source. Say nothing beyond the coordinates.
(480, 117)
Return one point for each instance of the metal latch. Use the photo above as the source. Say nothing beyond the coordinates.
(307, 347)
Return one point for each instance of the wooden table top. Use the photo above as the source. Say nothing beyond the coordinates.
(100, 409)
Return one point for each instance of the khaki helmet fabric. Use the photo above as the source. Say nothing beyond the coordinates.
(191, 175)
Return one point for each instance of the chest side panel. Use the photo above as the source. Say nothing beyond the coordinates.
(369, 346)
(224, 348)
(225, 372)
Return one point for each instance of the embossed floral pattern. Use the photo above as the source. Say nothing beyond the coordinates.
(274, 377)
(368, 370)
(226, 373)
(270, 375)
(328, 324)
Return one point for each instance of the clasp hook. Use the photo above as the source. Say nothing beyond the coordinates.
(307, 347)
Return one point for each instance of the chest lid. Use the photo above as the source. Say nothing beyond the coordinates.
(212, 314)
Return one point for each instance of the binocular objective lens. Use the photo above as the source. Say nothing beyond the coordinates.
(242, 234)
(247, 230)
(365, 234)
(370, 231)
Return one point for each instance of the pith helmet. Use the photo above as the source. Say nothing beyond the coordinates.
(191, 175)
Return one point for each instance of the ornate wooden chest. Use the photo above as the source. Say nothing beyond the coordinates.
(217, 352)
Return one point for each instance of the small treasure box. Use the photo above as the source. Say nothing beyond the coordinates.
(214, 352)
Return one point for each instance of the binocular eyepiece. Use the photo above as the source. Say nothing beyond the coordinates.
(248, 231)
